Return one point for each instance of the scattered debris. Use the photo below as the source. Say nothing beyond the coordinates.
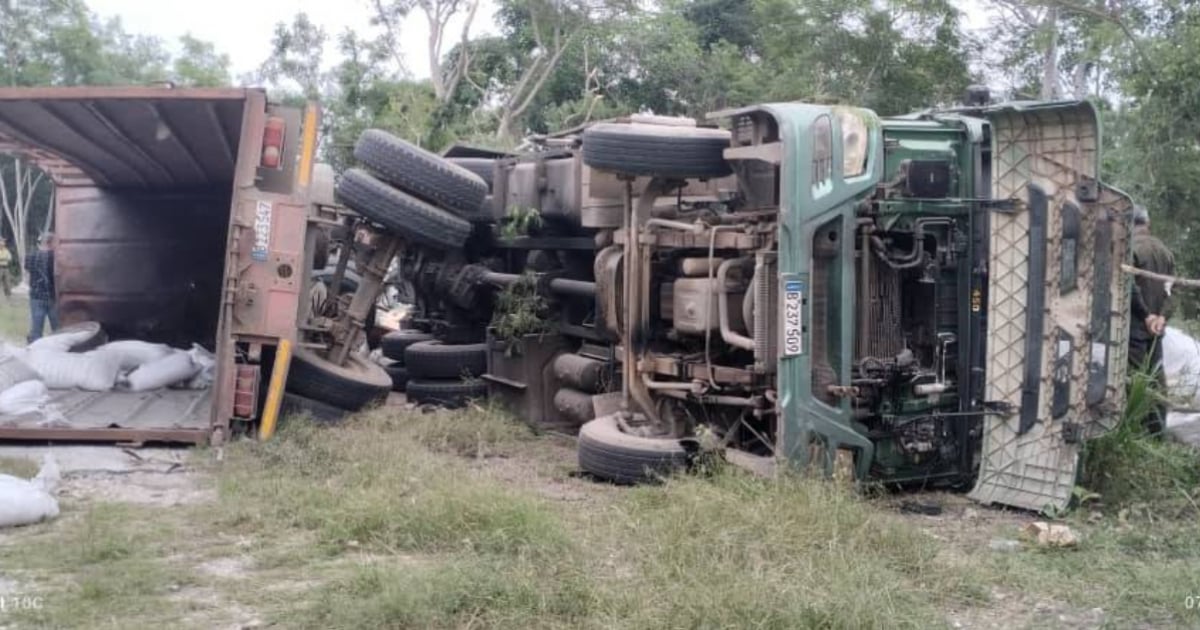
(1051, 534)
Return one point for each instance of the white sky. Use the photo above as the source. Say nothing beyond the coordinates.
(242, 29)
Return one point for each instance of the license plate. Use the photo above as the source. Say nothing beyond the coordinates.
(262, 231)
(793, 330)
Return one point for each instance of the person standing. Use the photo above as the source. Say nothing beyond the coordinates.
(42, 298)
(1151, 308)
(6, 259)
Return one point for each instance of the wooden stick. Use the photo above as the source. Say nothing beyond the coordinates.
(1182, 282)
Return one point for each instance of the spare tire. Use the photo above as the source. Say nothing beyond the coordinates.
(353, 386)
(420, 173)
(447, 393)
(485, 168)
(399, 375)
(395, 343)
(434, 360)
(657, 150)
(608, 453)
(407, 216)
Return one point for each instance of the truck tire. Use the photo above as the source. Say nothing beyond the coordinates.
(321, 249)
(420, 173)
(353, 386)
(656, 150)
(393, 344)
(435, 360)
(399, 376)
(295, 405)
(607, 453)
(485, 168)
(446, 393)
(407, 216)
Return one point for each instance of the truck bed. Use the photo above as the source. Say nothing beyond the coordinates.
(168, 415)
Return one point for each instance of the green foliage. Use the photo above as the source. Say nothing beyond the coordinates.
(1127, 466)
(520, 222)
(520, 310)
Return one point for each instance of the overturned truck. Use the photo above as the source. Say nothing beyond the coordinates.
(930, 299)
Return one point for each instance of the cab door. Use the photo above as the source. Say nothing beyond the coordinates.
(1057, 306)
(833, 160)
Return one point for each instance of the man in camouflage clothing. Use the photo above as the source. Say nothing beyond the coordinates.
(1151, 308)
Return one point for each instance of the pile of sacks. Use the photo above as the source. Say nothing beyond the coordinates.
(26, 374)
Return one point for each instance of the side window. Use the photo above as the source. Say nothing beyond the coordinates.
(854, 144)
(822, 160)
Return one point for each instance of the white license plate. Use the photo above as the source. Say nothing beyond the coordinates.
(793, 330)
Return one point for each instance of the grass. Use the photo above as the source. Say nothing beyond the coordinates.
(14, 319)
(466, 520)
(22, 468)
(1127, 467)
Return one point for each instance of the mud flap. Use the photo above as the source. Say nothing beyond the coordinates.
(1050, 359)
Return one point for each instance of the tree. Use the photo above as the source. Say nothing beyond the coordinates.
(297, 53)
(20, 185)
(438, 14)
(200, 65)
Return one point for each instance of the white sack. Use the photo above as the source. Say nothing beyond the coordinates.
(132, 354)
(23, 398)
(207, 364)
(23, 502)
(91, 371)
(62, 341)
(1181, 365)
(14, 370)
(169, 370)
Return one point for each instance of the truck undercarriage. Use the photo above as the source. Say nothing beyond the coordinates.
(926, 300)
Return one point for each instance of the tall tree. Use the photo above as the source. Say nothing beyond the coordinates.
(297, 55)
(444, 77)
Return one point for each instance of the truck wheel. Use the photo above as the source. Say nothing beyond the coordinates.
(294, 405)
(608, 453)
(421, 173)
(321, 255)
(485, 168)
(446, 393)
(399, 376)
(393, 344)
(353, 386)
(656, 150)
(407, 216)
(433, 360)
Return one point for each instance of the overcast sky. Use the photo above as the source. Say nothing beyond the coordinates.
(242, 29)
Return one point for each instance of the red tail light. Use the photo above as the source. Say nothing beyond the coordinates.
(272, 151)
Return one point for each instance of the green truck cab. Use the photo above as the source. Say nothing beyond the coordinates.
(950, 307)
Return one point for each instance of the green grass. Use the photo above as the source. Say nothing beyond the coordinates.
(463, 520)
(14, 319)
(23, 468)
(100, 570)
(1128, 467)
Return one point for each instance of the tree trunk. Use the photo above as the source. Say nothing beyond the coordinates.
(1050, 87)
